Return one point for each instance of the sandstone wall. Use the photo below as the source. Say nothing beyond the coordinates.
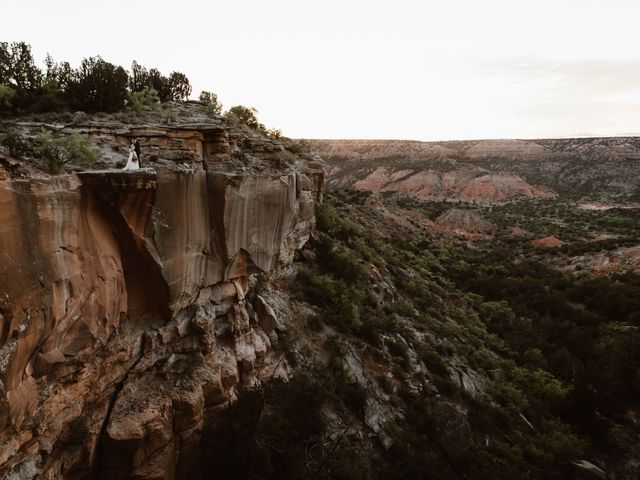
(124, 325)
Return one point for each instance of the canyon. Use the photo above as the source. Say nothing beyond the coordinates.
(220, 313)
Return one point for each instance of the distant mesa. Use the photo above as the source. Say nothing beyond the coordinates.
(486, 171)
(516, 149)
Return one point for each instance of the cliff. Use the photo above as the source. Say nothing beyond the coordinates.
(124, 318)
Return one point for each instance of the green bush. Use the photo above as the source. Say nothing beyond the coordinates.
(210, 99)
(284, 158)
(168, 115)
(57, 152)
(146, 99)
(7, 95)
(16, 145)
(273, 133)
(241, 115)
(433, 361)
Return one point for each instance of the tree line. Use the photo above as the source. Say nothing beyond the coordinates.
(95, 86)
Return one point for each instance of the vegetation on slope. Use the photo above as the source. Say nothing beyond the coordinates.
(495, 365)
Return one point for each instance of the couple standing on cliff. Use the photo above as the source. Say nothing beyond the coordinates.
(133, 163)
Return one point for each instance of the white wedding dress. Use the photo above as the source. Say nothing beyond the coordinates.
(132, 162)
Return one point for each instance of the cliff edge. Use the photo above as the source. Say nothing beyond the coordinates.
(126, 317)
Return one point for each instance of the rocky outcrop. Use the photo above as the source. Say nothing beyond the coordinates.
(124, 321)
(456, 185)
(606, 263)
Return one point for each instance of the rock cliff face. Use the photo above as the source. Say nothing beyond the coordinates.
(124, 318)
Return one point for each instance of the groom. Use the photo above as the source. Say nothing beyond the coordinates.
(136, 146)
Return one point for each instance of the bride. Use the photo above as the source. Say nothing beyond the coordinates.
(132, 162)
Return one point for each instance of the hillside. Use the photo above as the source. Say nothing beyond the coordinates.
(488, 170)
(426, 351)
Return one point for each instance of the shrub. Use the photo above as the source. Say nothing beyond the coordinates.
(433, 360)
(273, 133)
(17, 146)
(284, 158)
(7, 95)
(241, 115)
(56, 152)
(339, 302)
(146, 99)
(168, 115)
(210, 99)
(50, 98)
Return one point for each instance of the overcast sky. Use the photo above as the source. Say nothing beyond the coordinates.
(445, 69)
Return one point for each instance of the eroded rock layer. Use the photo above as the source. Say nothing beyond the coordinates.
(486, 171)
(124, 324)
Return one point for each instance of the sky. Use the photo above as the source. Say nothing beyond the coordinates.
(402, 69)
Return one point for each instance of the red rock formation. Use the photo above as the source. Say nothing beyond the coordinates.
(451, 185)
(124, 325)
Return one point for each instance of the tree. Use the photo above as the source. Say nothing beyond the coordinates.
(159, 83)
(51, 94)
(240, 114)
(25, 76)
(179, 86)
(98, 86)
(210, 99)
(19, 72)
(5, 63)
(139, 78)
(175, 87)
